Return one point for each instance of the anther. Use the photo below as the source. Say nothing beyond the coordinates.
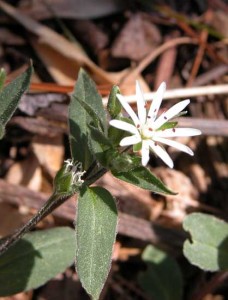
(174, 129)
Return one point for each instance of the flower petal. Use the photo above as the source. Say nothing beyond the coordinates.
(161, 153)
(124, 126)
(174, 144)
(170, 113)
(156, 102)
(173, 132)
(140, 104)
(128, 109)
(145, 153)
(130, 140)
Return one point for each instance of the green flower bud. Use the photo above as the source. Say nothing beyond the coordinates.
(114, 106)
(68, 179)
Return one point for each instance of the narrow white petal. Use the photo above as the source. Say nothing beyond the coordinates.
(130, 140)
(177, 132)
(140, 104)
(124, 126)
(156, 103)
(145, 153)
(128, 109)
(170, 113)
(174, 144)
(159, 151)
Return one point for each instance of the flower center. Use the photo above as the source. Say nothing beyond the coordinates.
(146, 132)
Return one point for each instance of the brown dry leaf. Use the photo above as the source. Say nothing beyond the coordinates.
(27, 173)
(213, 297)
(220, 22)
(130, 199)
(63, 286)
(73, 9)
(20, 296)
(177, 205)
(126, 253)
(7, 37)
(67, 50)
(137, 39)
(10, 219)
(62, 69)
(49, 152)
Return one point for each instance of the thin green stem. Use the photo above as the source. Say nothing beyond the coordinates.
(53, 202)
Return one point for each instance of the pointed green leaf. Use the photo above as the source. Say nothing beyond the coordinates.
(167, 125)
(208, 248)
(162, 280)
(79, 118)
(2, 78)
(114, 105)
(35, 259)
(95, 235)
(95, 120)
(143, 178)
(10, 96)
(99, 145)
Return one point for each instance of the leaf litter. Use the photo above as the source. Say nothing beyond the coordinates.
(183, 46)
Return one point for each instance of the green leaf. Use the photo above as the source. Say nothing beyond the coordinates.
(117, 161)
(95, 235)
(114, 105)
(97, 122)
(163, 278)
(208, 248)
(137, 147)
(2, 78)
(79, 118)
(168, 125)
(143, 178)
(99, 145)
(10, 96)
(35, 259)
(116, 135)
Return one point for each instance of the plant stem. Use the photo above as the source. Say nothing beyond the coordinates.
(53, 202)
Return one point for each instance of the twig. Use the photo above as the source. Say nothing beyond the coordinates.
(211, 286)
(182, 93)
(135, 72)
(199, 57)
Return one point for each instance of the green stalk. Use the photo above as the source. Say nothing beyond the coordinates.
(53, 202)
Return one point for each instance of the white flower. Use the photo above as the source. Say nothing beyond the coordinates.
(147, 126)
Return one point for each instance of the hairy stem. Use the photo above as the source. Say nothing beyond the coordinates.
(53, 202)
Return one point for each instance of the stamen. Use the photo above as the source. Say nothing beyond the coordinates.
(155, 143)
(148, 117)
(174, 129)
(165, 117)
(150, 129)
(138, 126)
